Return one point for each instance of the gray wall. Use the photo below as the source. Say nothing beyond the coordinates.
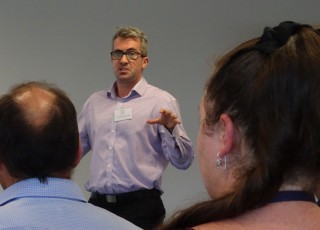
(67, 42)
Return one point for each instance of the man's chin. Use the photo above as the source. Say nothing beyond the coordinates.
(123, 74)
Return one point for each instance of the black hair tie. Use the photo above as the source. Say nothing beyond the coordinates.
(274, 38)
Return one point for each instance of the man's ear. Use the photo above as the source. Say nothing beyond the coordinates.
(145, 62)
(79, 156)
(6, 179)
(227, 134)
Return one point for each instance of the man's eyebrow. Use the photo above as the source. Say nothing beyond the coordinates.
(130, 49)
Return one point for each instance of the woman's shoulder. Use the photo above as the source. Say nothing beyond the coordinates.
(282, 216)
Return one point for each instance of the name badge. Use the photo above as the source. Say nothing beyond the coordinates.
(123, 114)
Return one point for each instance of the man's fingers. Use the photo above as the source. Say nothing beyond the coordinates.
(153, 121)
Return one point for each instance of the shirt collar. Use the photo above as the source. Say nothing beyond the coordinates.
(139, 88)
(55, 187)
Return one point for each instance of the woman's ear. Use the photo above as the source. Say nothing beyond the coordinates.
(227, 134)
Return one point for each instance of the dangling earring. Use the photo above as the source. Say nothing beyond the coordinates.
(221, 162)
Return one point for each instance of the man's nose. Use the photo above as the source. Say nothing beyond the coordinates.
(124, 59)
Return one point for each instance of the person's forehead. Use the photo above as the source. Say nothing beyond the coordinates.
(128, 43)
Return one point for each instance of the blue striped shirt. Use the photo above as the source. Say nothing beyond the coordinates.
(58, 204)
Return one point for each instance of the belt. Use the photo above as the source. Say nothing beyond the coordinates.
(125, 197)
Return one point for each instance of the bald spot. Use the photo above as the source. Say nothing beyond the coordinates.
(37, 105)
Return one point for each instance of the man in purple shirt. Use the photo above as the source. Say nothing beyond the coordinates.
(134, 130)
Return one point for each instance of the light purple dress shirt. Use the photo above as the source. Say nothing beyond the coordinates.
(127, 153)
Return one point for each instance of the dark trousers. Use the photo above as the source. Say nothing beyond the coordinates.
(143, 208)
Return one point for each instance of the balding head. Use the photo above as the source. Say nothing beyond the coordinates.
(36, 104)
(38, 132)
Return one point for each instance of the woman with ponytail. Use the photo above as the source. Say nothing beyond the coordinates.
(259, 136)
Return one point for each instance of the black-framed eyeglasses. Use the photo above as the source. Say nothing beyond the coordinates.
(131, 55)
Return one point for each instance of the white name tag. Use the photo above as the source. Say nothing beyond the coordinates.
(123, 114)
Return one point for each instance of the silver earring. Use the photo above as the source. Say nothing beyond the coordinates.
(221, 162)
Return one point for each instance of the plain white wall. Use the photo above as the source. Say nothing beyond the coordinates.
(67, 42)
